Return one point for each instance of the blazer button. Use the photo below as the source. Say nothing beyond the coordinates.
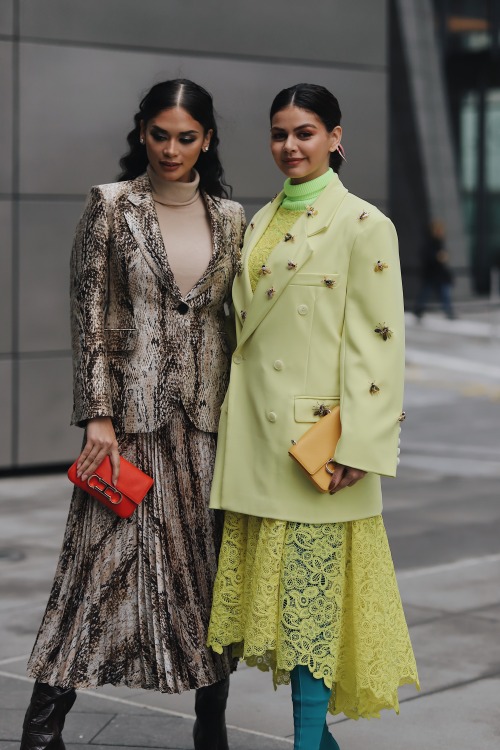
(302, 309)
(182, 308)
(237, 359)
(278, 365)
(272, 416)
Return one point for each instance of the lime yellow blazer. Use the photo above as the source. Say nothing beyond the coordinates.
(326, 326)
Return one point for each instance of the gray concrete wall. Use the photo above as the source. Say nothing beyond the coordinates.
(71, 75)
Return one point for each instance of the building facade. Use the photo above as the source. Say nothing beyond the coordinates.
(444, 120)
(469, 36)
(71, 76)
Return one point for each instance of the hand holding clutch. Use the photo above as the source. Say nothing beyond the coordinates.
(130, 490)
(344, 476)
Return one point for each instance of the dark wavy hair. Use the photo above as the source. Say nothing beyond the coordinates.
(316, 99)
(179, 92)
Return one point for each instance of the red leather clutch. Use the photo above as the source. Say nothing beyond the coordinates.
(131, 488)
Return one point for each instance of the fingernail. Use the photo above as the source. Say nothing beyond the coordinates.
(84, 477)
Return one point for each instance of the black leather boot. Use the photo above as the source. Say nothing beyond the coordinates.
(209, 732)
(44, 720)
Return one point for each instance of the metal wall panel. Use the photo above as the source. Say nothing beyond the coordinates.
(6, 277)
(6, 78)
(46, 236)
(45, 402)
(339, 30)
(7, 17)
(5, 411)
(84, 138)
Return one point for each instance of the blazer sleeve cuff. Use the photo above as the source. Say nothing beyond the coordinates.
(380, 456)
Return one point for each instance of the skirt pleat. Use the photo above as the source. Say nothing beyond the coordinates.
(130, 602)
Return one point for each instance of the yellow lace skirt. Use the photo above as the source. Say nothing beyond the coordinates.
(324, 596)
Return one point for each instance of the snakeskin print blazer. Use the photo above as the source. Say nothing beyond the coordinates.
(139, 347)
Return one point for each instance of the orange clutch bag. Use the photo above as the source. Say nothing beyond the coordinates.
(131, 488)
(315, 450)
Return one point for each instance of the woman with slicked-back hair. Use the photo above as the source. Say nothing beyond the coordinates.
(153, 261)
(306, 585)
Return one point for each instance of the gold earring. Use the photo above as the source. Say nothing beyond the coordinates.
(141, 141)
(205, 149)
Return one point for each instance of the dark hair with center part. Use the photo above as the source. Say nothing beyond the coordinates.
(316, 99)
(179, 92)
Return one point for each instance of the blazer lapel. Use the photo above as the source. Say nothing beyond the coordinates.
(220, 238)
(286, 259)
(242, 290)
(326, 206)
(140, 215)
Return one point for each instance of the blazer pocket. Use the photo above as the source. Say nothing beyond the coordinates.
(309, 408)
(120, 339)
(315, 279)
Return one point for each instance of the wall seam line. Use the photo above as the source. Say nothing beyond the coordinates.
(15, 237)
(238, 56)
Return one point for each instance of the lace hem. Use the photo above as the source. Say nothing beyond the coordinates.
(324, 596)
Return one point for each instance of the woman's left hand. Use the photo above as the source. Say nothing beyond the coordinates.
(344, 476)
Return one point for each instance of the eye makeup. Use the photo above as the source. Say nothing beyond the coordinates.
(155, 130)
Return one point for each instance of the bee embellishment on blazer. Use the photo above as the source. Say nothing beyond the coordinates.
(320, 410)
(383, 331)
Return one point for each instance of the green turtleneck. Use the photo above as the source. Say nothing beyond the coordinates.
(298, 197)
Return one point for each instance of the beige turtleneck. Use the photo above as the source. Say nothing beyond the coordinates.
(185, 228)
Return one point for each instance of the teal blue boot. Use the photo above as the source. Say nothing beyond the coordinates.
(328, 741)
(310, 699)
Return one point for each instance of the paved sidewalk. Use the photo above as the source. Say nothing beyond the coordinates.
(443, 519)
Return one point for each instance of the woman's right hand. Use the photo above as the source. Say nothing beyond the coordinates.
(101, 442)
(344, 476)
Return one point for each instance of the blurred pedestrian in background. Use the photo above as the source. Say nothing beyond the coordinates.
(306, 584)
(437, 276)
(153, 262)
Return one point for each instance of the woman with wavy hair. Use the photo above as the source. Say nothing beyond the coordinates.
(152, 265)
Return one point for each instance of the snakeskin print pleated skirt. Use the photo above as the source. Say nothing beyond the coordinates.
(130, 602)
